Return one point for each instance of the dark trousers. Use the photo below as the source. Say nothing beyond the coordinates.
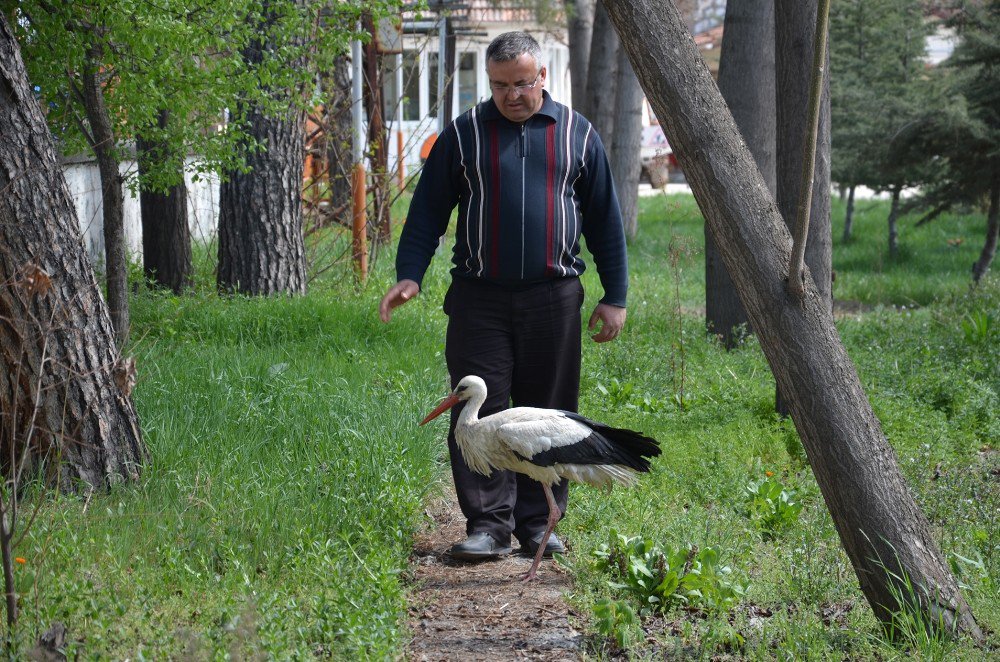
(525, 344)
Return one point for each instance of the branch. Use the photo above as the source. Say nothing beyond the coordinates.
(796, 265)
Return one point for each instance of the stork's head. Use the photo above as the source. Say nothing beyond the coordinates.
(467, 388)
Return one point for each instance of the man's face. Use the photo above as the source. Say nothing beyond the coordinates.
(511, 83)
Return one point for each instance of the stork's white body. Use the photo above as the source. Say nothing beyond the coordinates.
(545, 444)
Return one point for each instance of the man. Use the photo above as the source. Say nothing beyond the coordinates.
(528, 176)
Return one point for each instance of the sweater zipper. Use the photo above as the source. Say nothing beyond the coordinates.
(524, 142)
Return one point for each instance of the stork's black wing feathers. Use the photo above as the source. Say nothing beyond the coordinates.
(605, 445)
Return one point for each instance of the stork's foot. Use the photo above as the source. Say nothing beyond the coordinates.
(530, 576)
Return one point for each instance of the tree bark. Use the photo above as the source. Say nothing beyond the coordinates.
(580, 30)
(893, 216)
(61, 363)
(261, 246)
(166, 237)
(982, 265)
(602, 75)
(883, 531)
(378, 137)
(626, 166)
(746, 82)
(338, 140)
(849, 214)
(794, 27)
(112, 197)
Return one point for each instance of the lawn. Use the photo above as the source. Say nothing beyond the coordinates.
(288, 473)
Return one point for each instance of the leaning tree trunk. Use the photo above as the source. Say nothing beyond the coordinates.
(261, 246)
(166, 237)
(602, 75)
(982, 265)
(64, 385)
(112, 197)
(746, 81)
(794, 27)
(883, 531)
(626, 166)
(580, 27)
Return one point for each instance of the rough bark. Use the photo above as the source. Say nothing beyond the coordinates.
(112, 197)
(338, 140)
(795, 23)
(626, 166)
(891, 222)
(849, 215)
(602, 75)
(982, 265)
(166, 237)
(580, 28)
(746, 81)
(261, 246)
(57, 342)
(883, 531)
(378, 139)
(794, 28)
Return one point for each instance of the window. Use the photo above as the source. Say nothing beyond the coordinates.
(410, 102)
(467, 91)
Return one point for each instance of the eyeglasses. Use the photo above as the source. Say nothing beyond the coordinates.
(503, 89)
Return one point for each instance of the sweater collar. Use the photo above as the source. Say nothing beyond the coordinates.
(488, 109)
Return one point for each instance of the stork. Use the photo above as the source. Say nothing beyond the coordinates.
(545, 444)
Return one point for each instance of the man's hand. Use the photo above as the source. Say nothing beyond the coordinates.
(612, 320)
(397, 295)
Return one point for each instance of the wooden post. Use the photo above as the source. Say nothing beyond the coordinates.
(400, 167)
(359, 239)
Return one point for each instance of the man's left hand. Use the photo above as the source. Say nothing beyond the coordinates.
(612, 319)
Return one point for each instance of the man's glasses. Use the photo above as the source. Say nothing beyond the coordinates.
(503, 89)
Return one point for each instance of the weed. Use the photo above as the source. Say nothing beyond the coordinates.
(617, 620)
(771, 507)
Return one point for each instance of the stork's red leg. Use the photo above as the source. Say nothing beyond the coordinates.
(554, 515)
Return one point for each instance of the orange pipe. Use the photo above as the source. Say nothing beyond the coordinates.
(359, 242)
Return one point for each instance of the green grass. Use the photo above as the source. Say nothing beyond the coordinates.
(288, 473)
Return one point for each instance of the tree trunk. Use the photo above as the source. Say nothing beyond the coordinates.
(377, 140)
(338, 140)
(849, 214)
(982, 265)
(112, 197)
(626, 164)
(794, 27)
(261, 247)
(166, 238)
(882, 529)
(893, 216)
(580, 29)
(57, 342)
(746, 81)
(602, 75)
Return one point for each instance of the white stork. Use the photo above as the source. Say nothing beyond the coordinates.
(544, 444)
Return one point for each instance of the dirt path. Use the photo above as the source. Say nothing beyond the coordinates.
(482, 611)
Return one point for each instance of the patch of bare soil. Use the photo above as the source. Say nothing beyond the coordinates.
(483, 611)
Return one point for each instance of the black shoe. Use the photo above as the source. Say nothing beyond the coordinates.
(479, 547)
(553, 546)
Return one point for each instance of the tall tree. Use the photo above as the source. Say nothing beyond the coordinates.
(626, 166)
(580, 29)
(746, 81)
(261, 245)
(64, 382)
(794, 29)
(166, 236)
(337, 133)
(880, 525)
(602, 77)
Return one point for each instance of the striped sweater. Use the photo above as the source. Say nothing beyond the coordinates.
(525, 194)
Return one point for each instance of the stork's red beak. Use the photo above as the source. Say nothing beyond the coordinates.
(445, 405)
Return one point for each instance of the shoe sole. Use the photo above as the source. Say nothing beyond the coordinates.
(472, 556)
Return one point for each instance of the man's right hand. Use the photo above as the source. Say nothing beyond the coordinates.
(397, 295)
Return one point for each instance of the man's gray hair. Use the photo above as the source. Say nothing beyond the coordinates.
(512, 45)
